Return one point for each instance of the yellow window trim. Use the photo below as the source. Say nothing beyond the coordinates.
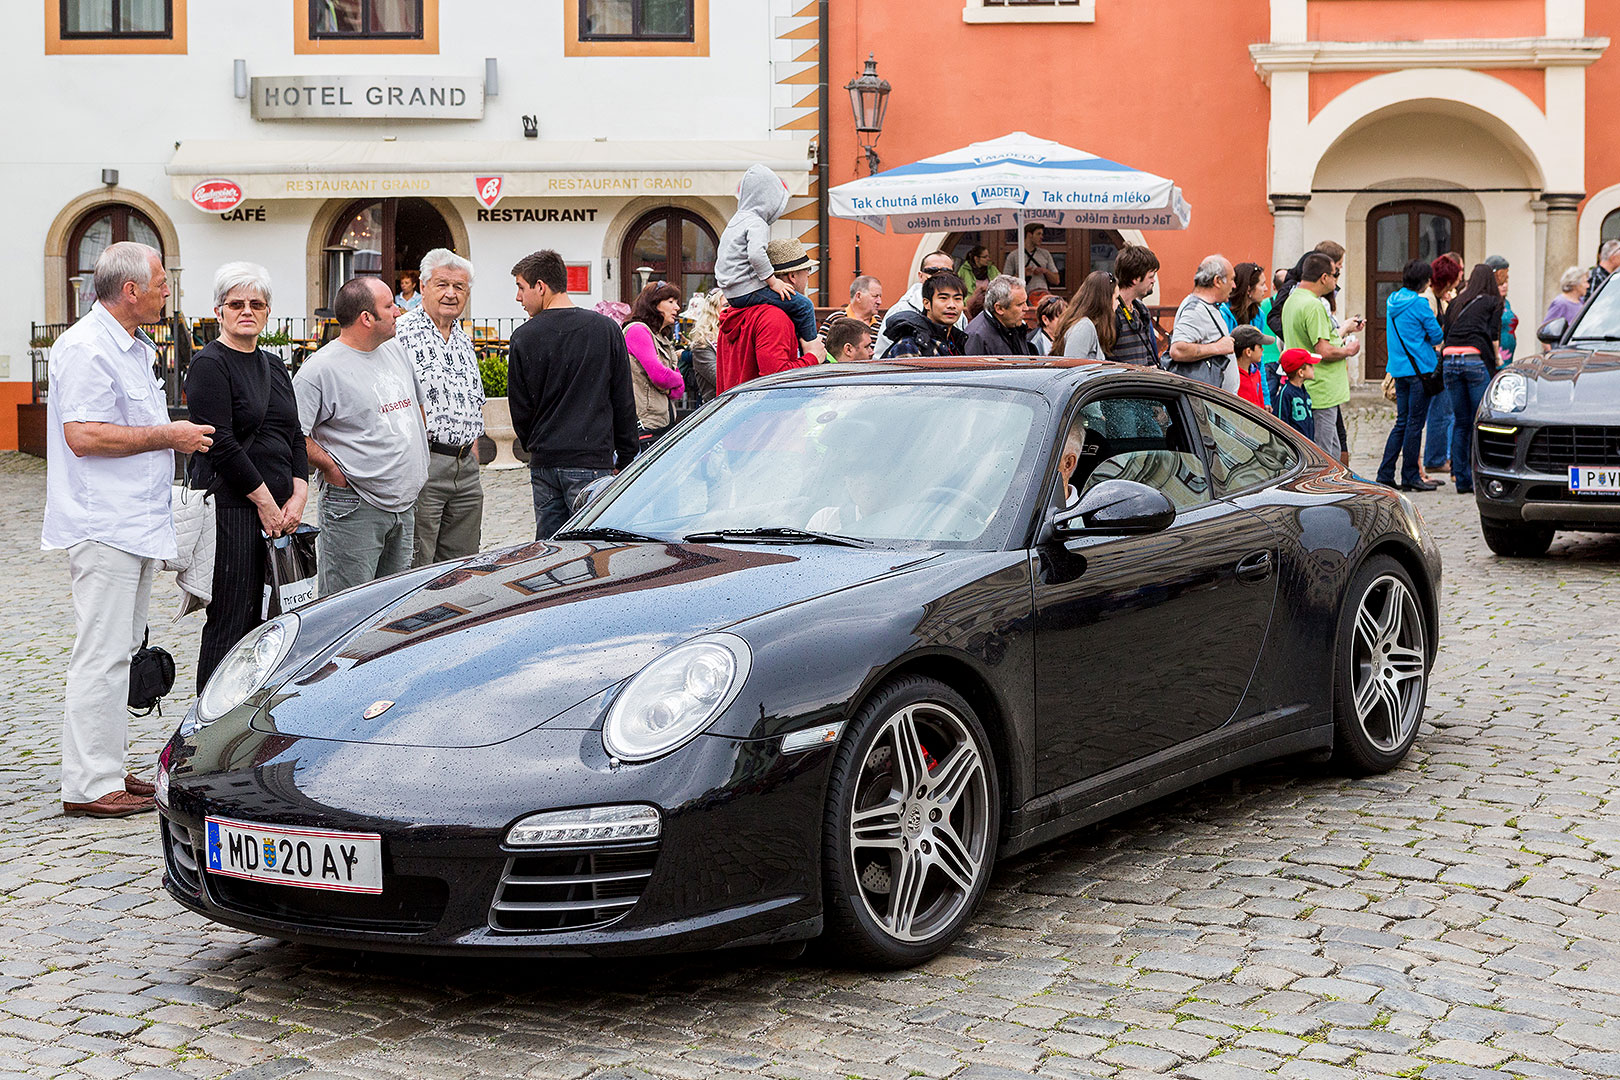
(698, 46)
(56, 45)
(427, 44)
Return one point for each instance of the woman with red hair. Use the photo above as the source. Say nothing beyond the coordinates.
(1448, 273)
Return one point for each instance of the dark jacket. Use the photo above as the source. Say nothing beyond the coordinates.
(987, 337)
(1476, 323)
(248, 400)
(914, 334)
(568, 384)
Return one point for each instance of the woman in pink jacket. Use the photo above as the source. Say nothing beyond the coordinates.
(654, 361)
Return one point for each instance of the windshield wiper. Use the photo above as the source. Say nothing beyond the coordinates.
(780, 534)
(608, 533)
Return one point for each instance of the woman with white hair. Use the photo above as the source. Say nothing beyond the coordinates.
(704, 313)
(1572, 286)
(257, 467)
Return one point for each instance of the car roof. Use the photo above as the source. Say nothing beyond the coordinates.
(1052, 376)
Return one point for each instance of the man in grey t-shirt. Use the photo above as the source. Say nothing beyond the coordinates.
(361, 410)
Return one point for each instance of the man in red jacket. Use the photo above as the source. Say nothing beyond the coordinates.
(761, 340)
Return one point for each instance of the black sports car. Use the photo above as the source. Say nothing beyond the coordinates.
(1547, 439)
(837, 643)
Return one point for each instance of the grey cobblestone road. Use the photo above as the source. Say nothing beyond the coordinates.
(1458, 918)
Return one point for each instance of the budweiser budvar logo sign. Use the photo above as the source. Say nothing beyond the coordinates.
(216, 196)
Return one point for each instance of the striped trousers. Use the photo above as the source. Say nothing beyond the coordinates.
(238, 586)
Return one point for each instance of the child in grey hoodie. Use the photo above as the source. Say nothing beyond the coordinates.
(743, 270)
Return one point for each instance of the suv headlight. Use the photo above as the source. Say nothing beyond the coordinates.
(246, 667)
(1508, 392)
(675, 697)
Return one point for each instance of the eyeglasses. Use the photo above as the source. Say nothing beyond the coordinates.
(239, 306)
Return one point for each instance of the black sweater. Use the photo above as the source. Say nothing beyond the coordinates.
(248, 398)
(568, 385)
(1477, 323)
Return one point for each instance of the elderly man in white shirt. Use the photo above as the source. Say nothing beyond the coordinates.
(110, 445)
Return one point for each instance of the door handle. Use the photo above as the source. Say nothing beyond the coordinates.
(1254, 567)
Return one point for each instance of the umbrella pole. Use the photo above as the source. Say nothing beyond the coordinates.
(1018, 226)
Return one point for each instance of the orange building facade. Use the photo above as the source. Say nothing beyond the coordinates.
(1398, 128)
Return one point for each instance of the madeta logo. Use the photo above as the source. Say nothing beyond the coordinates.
(1001, 193)
(1033, 157)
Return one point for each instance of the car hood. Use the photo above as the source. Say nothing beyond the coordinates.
(506, 641)
(1573, 385)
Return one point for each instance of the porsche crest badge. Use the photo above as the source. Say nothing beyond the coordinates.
(376, 709)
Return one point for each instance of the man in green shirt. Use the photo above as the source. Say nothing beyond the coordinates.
(1307, 325)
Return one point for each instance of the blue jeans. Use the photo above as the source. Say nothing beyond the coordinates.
(554, 491)
(1437, 437)
(1406, 437)
(798, 307)
(1466, 378)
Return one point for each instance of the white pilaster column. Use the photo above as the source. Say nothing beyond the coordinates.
(1287, 230)
(1563, 242)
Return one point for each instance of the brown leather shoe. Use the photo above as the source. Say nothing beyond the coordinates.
(136, 786)
(111, 805)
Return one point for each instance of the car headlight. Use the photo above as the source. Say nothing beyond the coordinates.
(246, 667)
(1508, 392)
(676, 696)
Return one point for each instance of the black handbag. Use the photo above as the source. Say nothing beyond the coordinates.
(1434, 382)
(151, 677)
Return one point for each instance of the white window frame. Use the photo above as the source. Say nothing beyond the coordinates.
(1062, 11)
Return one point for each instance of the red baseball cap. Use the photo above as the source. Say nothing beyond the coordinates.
(1293, 359)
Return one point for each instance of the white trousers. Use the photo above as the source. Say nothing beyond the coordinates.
(110, 593)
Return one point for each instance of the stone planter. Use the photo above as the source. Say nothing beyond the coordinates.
(498, 427)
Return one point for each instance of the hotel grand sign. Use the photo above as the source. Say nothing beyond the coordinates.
(344, 97)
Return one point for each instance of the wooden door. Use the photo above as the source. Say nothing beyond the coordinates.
(1397, 233)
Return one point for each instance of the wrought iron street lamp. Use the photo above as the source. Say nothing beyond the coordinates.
(869, 98)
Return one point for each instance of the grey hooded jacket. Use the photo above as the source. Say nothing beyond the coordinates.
(741, 265)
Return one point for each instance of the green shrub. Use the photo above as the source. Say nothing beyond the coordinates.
(272, 338)
(492, 366)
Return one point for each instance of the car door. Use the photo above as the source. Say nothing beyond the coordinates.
(1145, 642)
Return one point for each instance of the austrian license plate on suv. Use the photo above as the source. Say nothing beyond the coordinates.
(1594, 480)
(309, 858)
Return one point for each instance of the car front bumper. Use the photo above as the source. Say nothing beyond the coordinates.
(1522, 476)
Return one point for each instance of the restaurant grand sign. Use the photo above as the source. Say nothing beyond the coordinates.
(341, 97)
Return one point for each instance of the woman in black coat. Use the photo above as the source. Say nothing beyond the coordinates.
(256, 468)
(1473, 324)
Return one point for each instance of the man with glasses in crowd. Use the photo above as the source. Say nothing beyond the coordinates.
(933, 263)
(1200, 343)
(1307, 325)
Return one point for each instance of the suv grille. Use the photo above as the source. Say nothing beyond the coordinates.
(180, 858)
(1555, 449)
(570, 890)
(1496, 449)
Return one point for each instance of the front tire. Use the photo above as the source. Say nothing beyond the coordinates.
(1515, 541)
(912, 821)
(1380, 669)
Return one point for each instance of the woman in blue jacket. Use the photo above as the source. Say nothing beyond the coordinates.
(1411, 334)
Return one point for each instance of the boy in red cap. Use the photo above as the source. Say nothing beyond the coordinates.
(1294, 402)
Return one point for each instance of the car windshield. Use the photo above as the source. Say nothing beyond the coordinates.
(1600, 320)
(890, 465)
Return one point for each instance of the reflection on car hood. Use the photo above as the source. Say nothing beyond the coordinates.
(508, 640)
(1573, 385)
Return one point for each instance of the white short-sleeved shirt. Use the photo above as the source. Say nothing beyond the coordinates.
(99, 372)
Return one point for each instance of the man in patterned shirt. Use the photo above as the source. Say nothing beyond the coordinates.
(450, 509)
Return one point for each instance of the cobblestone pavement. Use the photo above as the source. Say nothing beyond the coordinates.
(1457, 918)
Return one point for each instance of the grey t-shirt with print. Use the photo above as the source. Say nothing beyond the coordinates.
(365, 409)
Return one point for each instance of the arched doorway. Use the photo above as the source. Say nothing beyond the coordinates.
(1398, 232)
(108, 224)
(379, 238)
(1077, 252)
(667, 244)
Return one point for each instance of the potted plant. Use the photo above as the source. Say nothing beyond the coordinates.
(278, 343)
(497, 412)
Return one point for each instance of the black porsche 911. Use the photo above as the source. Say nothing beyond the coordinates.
(1547, 438)
(810, 667)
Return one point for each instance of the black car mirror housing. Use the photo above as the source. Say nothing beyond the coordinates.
(1552, 331)
(1117, 508)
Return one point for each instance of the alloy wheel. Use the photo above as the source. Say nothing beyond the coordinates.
(1388, 664)
(920, 828)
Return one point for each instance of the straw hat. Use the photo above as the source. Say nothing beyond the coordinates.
(787, 256)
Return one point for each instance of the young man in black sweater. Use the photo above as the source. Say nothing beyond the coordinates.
(568, 384)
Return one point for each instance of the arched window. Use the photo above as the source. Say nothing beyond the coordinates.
(108, 224)
(668, 244)
(381, 237)
(1611, 226)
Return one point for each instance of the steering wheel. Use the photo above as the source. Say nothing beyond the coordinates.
(956, 498)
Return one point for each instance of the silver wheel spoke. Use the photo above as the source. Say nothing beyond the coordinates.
(1368, 630)
(878, 827)
(952, 857)
(911, 769)
(907, 895)
(1406, 663)
(1367, 696)
(955, 774)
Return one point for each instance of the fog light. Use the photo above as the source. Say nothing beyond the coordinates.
(587, 825)
(1495, 489)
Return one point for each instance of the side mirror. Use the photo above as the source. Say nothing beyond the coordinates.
(587, 494)
(1118, 508)
(1552, 331)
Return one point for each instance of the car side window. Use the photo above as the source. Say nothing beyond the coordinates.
(1243, 453)
(1145, 439)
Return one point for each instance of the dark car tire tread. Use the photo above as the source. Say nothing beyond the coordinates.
(1515, 541)
(850, 930)
(1355, 751)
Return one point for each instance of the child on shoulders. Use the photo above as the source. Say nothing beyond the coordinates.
(742, 268)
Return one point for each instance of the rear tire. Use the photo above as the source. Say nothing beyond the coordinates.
(1515, 541)
(1380, 669)
(911, 825)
